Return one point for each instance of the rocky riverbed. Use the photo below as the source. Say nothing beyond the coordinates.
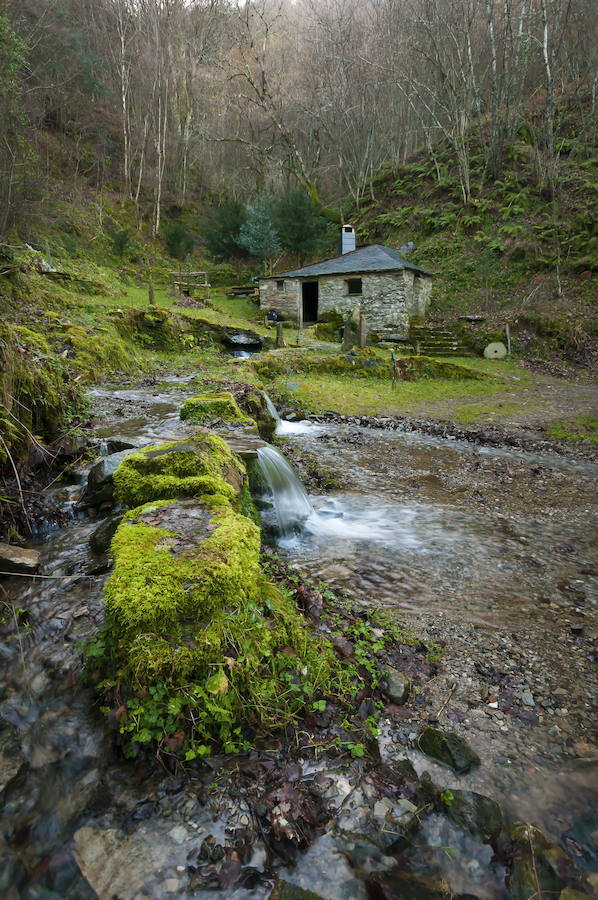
(486, 555)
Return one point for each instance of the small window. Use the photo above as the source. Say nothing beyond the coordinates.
(280, 284)
(354, 285)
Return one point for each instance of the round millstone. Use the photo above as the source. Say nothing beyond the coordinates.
(495, 351)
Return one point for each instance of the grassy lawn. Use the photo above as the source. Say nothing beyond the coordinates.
(236, 312)
(349, 396)
(574, 428)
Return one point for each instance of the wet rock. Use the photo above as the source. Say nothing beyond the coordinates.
(474, 812)
(122, 865)
(16, 560)
(539, 868)
(397, 686)
(401, 885)
(100, 539)
(286, 891)
(117, 445)
(581, 841)
(393, 820)
(100, 485)
(448, 748)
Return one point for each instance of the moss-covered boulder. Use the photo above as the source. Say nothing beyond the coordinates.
(448, 748)
(251, 401)
(220, 406)
(202, 466)
(201, 648)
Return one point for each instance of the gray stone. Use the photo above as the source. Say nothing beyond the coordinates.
(527, 698)
(397, 686)
(100, 539)
(100, 486)
(17, 560)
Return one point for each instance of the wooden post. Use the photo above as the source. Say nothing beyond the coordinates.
(362, 331)
(279, 335)
(508, 337)
(299, 316)
(150, 292)
(393, 373)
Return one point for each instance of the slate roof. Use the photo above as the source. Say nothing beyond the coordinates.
(375, 258)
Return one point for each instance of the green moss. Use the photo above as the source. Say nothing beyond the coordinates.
(206, 407)
(195, 636)
(365, 365)
(155, 588)
(100, 350)
(203, 465)
(37, 396)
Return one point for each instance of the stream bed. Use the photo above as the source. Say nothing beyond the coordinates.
(490, 554)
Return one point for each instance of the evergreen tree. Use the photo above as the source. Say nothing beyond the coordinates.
(259, 235)
(221, 229)
(300, 226)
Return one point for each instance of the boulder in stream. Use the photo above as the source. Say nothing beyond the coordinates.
(99, 540)
(187, 604)
(100, 486)
(480, 815)
(448, 748)
(17, 560)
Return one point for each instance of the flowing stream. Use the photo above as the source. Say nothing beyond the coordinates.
(491, 549)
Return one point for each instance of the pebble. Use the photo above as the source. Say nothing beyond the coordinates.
(178, 834)
(527, 698)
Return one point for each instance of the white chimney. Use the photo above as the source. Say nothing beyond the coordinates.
(346, 241)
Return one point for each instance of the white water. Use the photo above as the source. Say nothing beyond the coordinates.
(291, 504)
(347, 521)
(283, 426)
(272, 409)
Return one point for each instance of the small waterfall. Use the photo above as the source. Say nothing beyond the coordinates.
(284, 427)
(103, 447)
(272, 409)
(291, 504)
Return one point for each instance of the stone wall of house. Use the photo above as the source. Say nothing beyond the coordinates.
(285, 301)
(387, 298)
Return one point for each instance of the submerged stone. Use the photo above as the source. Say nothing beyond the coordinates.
(448, 748)
(540, 868)
(473, 812)
(286, 891)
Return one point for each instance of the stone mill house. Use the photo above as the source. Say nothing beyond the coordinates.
(387, 289)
